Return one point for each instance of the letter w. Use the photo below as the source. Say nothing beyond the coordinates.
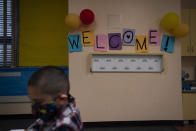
(73, 42)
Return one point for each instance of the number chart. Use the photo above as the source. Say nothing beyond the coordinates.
(126, 62)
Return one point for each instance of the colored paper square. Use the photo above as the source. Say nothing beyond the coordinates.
(141, 44)
(115, 41)
(101, 43)
(74, 43)
(128, 37)
(154, 37)
(87, 37)
(168, 43)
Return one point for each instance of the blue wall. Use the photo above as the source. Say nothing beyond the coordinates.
(13, 82)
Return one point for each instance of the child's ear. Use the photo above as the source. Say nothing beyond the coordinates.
(63, 96)
(62, 100)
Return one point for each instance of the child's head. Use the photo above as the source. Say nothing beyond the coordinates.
(49, 84)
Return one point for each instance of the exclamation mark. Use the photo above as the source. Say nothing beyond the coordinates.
(166, 44)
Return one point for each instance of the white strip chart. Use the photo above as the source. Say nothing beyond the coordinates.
(126, 63)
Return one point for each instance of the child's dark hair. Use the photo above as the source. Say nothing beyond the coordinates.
(51, 80)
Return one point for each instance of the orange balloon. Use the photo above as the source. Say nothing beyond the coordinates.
(180, 30)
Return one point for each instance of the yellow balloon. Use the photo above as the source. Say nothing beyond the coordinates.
(72, 21)
(170, 21)
(180, 30)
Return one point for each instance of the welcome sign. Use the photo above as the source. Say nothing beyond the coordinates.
(115, 41)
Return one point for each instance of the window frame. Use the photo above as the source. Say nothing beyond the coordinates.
(12, 40)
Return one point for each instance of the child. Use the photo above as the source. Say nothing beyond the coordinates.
(48, 88)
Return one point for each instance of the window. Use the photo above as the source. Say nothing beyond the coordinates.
(8, 33)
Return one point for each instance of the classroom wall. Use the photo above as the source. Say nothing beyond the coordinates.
(123, 96)
(127, 96)
(42, 36)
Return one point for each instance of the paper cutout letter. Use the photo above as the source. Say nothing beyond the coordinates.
(128, 37)
(74, 43)
(115, 41)
(154, 37)
(101, 43)
(168, 43)
(87, 37)
(141, 44)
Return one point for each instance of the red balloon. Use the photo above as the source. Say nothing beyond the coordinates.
(87, 16)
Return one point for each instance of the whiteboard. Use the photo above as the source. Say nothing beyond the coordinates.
(126, 62)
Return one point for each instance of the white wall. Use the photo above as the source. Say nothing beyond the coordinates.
(127, 96)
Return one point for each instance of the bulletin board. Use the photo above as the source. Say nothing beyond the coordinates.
(42, 33)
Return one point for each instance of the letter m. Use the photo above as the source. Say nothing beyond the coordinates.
(141, 46)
